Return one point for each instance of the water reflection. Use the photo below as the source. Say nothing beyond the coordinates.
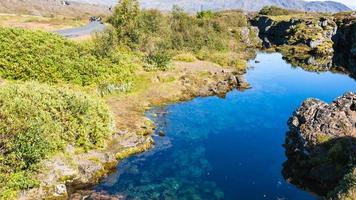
(226, 148)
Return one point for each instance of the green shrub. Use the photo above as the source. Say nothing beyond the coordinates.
(125, 21)
(38, 120)
(157, 60)
(180, 31)
(208, 14)
(273, 11)
(46, 57)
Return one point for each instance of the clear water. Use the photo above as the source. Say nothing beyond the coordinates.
(227, 148)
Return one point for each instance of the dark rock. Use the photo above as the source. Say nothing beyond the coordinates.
(345, 45)
(161, 134)
(321, 143)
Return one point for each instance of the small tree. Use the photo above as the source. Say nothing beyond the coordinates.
(125, 21)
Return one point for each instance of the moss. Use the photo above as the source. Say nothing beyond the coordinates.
(134, 150)
(322, 138)
(64, 179)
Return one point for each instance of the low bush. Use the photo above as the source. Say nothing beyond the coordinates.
(158, 59)
(46, 57)
(38, 120)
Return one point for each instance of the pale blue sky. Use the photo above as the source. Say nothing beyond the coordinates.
(351, 3)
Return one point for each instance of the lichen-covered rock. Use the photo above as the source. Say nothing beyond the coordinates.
(316, 33)
(321, 144)
(316, 119)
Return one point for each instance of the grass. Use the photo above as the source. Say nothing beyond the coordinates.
(225, 59)
(185, 57)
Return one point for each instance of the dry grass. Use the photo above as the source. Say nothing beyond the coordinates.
(38, 22)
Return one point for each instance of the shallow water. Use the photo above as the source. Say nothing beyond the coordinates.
(227, 148)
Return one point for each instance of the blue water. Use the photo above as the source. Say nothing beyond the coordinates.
(227, 148)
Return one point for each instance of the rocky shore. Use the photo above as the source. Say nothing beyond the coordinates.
(321, 147)
(313, 41)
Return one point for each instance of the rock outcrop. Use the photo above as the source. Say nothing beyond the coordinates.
(313, 42)
(321, 146)
(314, 33)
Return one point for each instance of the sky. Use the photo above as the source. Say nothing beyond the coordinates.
(350, 3)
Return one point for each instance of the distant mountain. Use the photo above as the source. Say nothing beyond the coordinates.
(249, 5)
(325, 6)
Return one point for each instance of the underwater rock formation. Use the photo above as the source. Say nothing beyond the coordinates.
(321, 145)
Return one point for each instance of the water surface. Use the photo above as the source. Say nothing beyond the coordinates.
(227, 148)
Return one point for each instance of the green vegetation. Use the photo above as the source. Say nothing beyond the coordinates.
(273, 11)
(40, 115)
(207, 31)
(39, 120)
(45, 57)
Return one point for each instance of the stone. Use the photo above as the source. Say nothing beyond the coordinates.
(161, 134)
(60, 190)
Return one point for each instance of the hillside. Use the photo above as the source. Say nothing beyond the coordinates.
(249, 5)
(51, 8)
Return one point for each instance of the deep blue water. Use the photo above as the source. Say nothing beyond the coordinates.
(227, 148)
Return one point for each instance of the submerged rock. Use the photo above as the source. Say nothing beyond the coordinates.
(93, 195)
(321, 144)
